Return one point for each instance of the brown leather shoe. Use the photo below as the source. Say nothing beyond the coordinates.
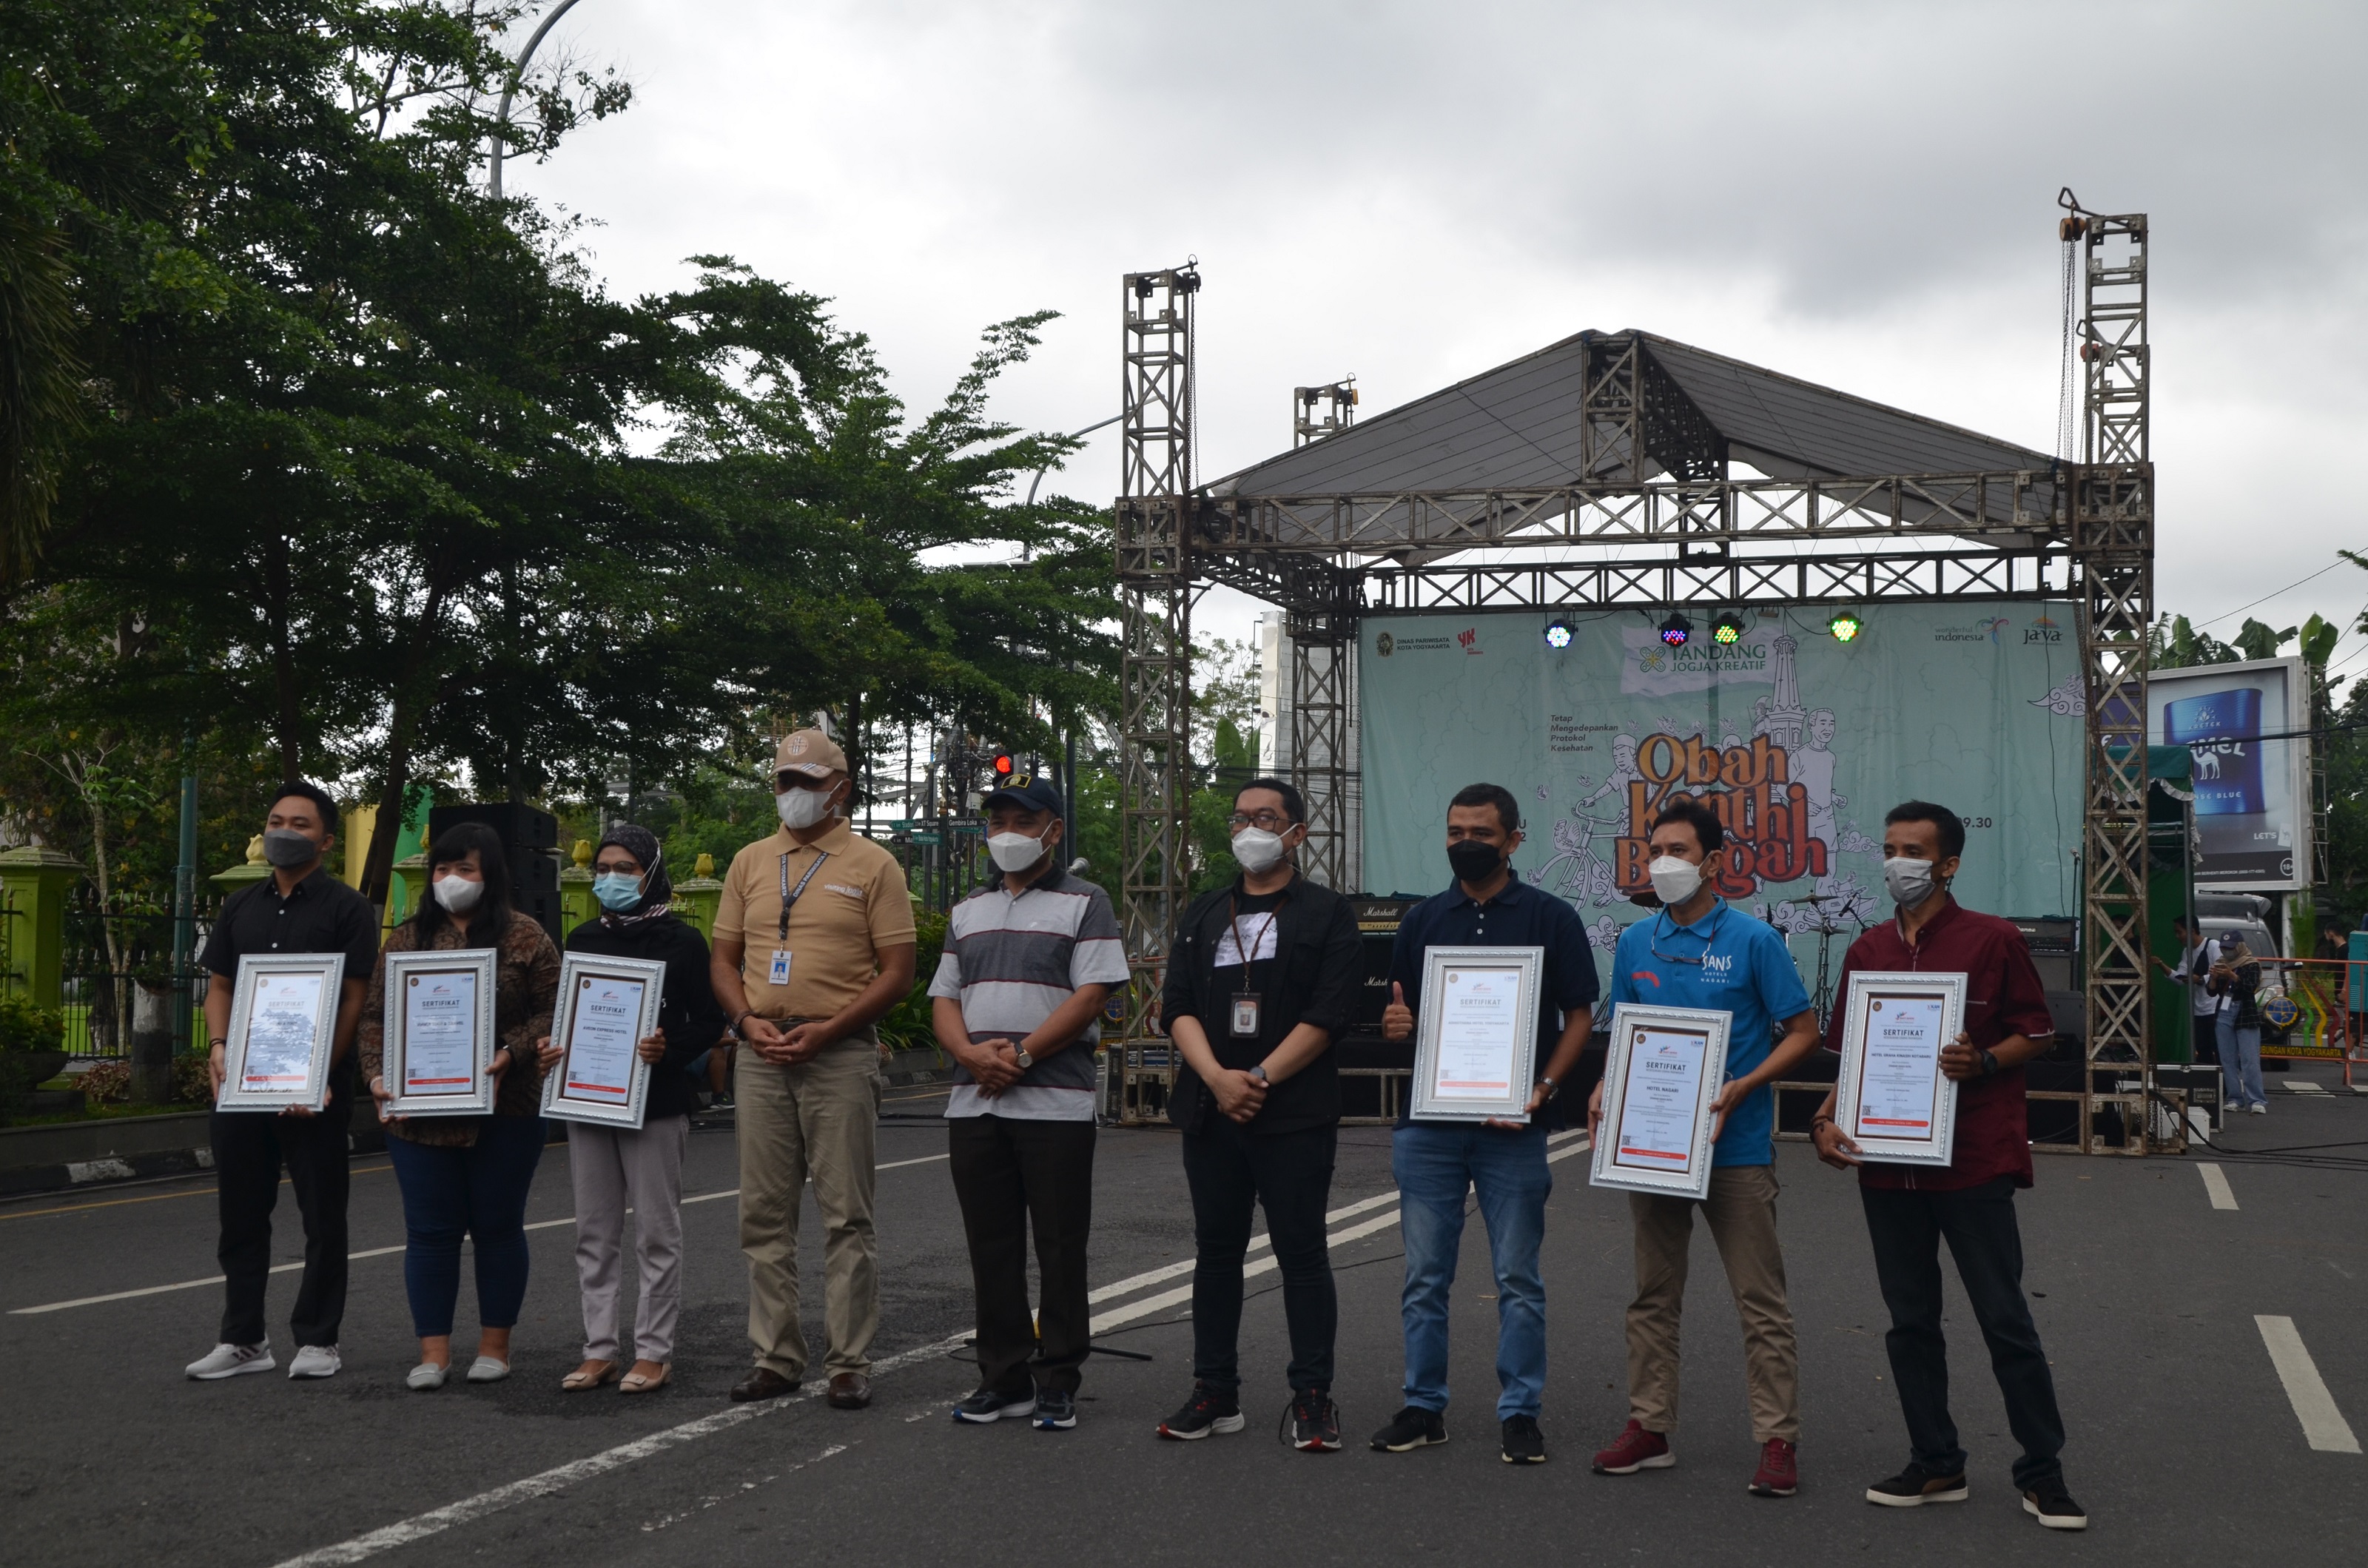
(850, 1391)
(762, 1383)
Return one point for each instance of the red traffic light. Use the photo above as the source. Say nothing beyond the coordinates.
(1002, 764)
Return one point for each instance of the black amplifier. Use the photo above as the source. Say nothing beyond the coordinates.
(1377, 922)
(2047, 933)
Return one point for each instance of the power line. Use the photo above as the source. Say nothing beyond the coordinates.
(2265, 599)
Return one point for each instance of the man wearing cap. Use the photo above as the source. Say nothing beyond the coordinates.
(813, 943)
(1030, 958)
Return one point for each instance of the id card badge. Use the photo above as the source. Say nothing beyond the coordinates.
(778, 972)
(1246, 1015)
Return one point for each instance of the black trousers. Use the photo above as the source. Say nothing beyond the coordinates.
(1980, 1223)
(250, 1147)
(1012, 1176)
(1230, 1170)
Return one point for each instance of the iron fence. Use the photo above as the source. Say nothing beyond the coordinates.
(121, 979)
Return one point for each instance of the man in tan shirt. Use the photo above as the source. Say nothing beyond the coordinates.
(813, 943)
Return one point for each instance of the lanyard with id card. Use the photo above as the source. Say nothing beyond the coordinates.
(778, 972)
(1245, 1011)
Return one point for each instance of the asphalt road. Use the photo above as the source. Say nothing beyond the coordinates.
(2186, 1444)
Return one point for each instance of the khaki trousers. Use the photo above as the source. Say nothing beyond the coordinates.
(818, 1120)
(1741, 1209)
(615, 1168)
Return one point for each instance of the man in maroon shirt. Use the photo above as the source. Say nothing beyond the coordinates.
(1911, 1207)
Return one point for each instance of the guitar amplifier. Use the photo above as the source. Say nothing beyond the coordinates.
(2054, 941)
(1377, 925)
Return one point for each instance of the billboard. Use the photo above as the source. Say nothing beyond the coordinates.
(2252, 796)
(1800, 743)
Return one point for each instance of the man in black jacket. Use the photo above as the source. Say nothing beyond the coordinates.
(1260, 981)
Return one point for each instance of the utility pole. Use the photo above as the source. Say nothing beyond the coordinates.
(185, 900)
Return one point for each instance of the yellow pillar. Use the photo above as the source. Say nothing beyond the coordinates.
(695, 900)
(576, 904)
(33, 888)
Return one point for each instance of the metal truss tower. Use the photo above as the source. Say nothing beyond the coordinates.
(1156, 670)
(2112, 529)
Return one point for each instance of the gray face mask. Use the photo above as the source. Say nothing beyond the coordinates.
(1909, 881)
(287, 850)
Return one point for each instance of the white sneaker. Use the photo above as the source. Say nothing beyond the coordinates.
(2261, 1108)
(315, 1361)
(230, 1360)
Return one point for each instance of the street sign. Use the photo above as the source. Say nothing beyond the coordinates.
(927, 838)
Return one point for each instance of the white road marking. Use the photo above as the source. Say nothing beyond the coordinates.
(353, 1256)
(2323, 1425)
(2215, 1182)
(1134, 1282)
(560, 1477)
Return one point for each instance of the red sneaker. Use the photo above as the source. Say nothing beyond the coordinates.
(1778, 1474)
(1635, 1450)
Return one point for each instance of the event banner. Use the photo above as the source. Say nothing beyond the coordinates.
(2252, 796)
(1800, 743)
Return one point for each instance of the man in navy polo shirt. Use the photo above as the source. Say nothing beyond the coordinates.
(1909, 1209)
(1698, 952)
(1504, 1163)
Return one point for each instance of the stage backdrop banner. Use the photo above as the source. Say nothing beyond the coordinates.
(2252, 796)
(1800, 743)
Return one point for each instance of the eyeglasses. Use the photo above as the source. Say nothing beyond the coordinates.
(1680, 957)
(1272, 822)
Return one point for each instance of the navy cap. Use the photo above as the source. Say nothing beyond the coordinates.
(1031, 791)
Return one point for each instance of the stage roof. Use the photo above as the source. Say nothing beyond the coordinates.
(1517, 427)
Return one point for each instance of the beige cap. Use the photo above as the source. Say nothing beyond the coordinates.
(809, 751)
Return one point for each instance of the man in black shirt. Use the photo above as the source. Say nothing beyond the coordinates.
(297, 909)
(1260, 981)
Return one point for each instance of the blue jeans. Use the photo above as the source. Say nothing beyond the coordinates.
(1433, 1163)
(2240, 1063)
(478, 1191)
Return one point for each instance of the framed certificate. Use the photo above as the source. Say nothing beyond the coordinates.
(283, 1024)
(439, 1032)
(1475, 1050)
(1662, 1069)
(1892, 1100)
(606, 1006)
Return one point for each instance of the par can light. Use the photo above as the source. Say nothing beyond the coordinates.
(1677, 631)
(1844, 624)
(1558, 634)
(1728, 629)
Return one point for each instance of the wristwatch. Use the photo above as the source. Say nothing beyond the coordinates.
(1259, 1073)
(1020, 1053)
(1989, 1063)
(1549, 1086)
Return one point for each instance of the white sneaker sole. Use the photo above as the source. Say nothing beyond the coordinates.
(1002, 1413)
(1233, 1422)
(2055, 1522)
(1659, 1462)
(313, 1374)
(262, 1363)
(1885, 1500)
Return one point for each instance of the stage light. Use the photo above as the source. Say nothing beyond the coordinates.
(1676, 631)
(1558, 634)
(1728, 629)
(1844, 624)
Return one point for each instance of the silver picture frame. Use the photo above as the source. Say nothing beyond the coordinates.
(1885, 1145)
(241, 1090)
(579, 975)
(1526, 968)
(1617, 1163)
(405, 973)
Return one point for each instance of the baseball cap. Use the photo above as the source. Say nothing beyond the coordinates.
(809, 751)
(1029, 791)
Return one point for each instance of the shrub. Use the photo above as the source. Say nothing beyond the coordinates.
(107, 1083)
(24, 1027)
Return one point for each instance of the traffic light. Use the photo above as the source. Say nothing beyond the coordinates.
(1004, 765)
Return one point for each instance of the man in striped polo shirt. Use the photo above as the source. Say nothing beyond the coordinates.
(1030, 958)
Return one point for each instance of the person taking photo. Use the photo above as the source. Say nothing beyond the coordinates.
(1261, 980)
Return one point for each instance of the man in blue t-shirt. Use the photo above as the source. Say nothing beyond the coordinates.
(1698, 952)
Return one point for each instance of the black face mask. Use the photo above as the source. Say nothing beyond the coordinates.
(1474, 862)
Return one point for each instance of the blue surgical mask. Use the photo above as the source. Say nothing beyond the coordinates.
(616, 890)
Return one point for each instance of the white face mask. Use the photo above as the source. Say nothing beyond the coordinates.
(803, 807)
(1015, 851)
(1674, 879)
(458, 893)
(1908, 881)
(1257, 850)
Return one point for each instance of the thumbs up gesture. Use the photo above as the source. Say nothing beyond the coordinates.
(1398, 1018)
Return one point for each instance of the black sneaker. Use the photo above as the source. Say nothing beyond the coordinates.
(987, 1406)
(1210, 1409)
(1524, 1444)
(1411, 1428)
(1315, 1422)
(1056, 1410)
(1915, 1486)
(2052, 1506)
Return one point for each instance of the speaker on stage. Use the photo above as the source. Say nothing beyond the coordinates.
(529, 843)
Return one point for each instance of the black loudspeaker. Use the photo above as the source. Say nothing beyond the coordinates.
(1377, 921)
(530, 842)
(2054, 948)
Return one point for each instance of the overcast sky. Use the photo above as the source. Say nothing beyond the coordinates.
(1863, 195)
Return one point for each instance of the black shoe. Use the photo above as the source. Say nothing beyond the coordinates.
(1411, 1428)
(1524, 1444)
(1210, 1409)
(1315, 1422)
(1056, 1410)
(2052, 1506)
(986, 1405)
(1915, 1486)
